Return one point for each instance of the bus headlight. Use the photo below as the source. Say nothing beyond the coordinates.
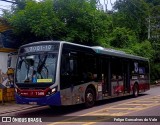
(52, 91)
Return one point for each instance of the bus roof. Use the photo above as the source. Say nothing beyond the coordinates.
(112, 52)
(96, 49)
(40, 42)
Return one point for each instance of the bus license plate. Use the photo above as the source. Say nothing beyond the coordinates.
(33, 103)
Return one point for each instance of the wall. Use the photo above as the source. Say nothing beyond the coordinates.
(3, 66)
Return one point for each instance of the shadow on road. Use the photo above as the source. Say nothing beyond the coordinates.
(108, 101)
(64, 110)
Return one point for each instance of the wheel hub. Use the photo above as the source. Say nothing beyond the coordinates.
(90, 97)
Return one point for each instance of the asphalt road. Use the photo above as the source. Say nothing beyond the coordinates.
(112, 111)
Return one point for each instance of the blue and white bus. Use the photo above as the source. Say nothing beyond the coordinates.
(59, 73)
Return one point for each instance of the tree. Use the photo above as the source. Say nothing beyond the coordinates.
(122, 38)
(80, 21)
(84, 24)
(134, 14)
(60, 20)
(37, 21)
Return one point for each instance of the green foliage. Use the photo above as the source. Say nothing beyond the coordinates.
(38, 19)
(42, 20)
(20, 5)
(58, 19)
(84, 24)
(144, 49)
(122, 38)
(134, 14)
(79, 21)
(155, 71)
(153, 2)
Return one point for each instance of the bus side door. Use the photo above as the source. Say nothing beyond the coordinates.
(65, 79)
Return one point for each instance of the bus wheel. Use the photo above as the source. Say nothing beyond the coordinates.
(55, 108)
(52, 106)
(89, 97)
(135, 90)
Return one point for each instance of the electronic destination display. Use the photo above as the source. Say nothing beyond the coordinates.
(40, 48)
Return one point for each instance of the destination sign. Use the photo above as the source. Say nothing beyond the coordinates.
(40, 48)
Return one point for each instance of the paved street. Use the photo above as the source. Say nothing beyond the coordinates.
(147, 104)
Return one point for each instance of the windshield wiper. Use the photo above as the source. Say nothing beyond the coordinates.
(41, 65)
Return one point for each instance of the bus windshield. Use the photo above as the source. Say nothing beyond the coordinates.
(36, 68)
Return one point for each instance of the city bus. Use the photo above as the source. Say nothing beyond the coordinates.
(58, 73)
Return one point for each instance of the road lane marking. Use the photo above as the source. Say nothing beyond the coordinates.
(109, 114)
(72, 122)
(121, 115)
(77, 116)
(155, 98)
(125, 108)
(147, 101)
(147, 106)
(135, 104)
(113, 114)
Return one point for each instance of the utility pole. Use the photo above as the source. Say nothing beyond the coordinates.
(153, 27)
(149, 28)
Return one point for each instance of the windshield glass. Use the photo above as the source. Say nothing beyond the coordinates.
(38, 68)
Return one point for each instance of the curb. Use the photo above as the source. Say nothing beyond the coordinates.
(155, 85)
(19, 109)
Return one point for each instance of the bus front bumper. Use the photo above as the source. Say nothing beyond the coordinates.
(53, 99)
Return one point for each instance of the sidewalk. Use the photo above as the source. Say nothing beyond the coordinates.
(8, 107)
(155, 85)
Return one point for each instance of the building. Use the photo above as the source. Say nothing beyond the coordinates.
(7, 45)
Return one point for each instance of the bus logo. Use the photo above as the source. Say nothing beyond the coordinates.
(6, 119)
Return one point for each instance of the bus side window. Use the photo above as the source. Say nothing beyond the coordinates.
(73, 66)
(65, 71)
(65, 65)
(116, 69)
(114, 77)
(91, 67)
(143, 70)
(69, 71)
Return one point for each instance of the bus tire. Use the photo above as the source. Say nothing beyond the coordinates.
(135, 90)
(51, 106)
(89, 97)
